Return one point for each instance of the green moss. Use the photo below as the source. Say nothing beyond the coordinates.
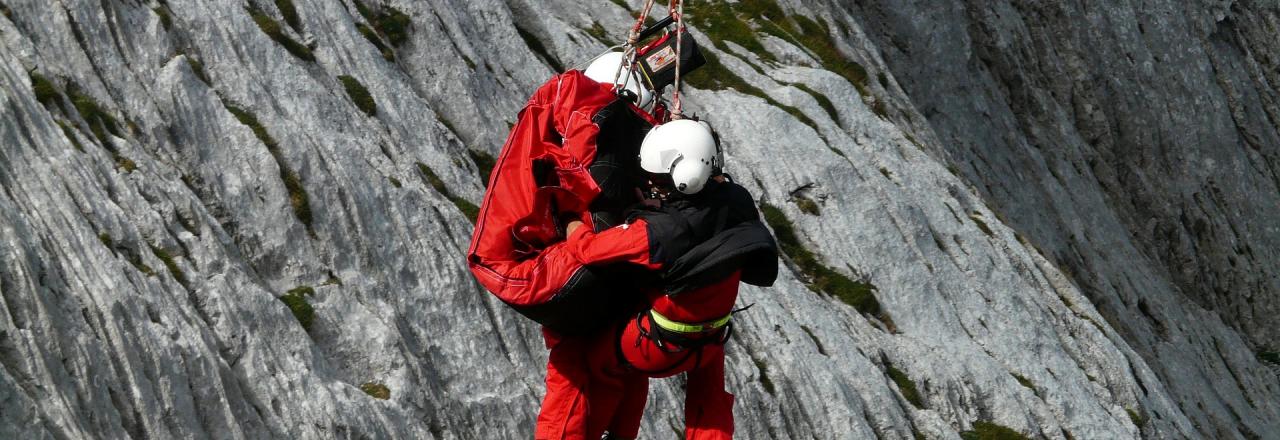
(296, 300)
(125, 164)
(977, 220)
(538, 49)
(359, 95)
(9, 13)
(823, 101)
(484, 162)
(170, 264)
(100, 121)
(372, 36)
(764, 377)
(1269, 356)
(886, 173)
(364, 10)
(430, 178)
(46, 92)
(807, 206)
(394, 24)
(821, 350)
(817, 39)
(622, 4)
(298, 198)
(105, 238)
(376, 390)
(273, 30)
(715, 76)
(290, 14)
(722, 21)
(136, 260)
(70, 134)
(332, 281)
(905, 385)
(1138, 420)
(198, 68)
(983, 430)
(394, 182)
(880, 109)
(1024, 381)
(596, 30)
(470, 210)
(821, 278)
(166, 19)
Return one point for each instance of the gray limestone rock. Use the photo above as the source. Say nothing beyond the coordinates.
(1063, 209)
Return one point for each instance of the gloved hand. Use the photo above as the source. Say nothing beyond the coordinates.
(553, 208)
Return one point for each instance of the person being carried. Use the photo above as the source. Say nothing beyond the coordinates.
(706, 233)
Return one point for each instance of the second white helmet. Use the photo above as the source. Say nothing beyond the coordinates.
(683, 148)
(604, 69)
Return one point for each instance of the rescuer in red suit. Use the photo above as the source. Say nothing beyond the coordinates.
(704, 232)
(569, 158)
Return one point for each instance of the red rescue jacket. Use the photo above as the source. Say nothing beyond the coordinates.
(541, 175)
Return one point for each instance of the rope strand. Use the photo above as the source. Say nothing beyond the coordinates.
(676, 108)
(629, 51)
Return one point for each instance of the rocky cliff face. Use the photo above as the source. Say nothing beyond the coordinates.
(247, 219)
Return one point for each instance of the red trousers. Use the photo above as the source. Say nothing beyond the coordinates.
(601, 383)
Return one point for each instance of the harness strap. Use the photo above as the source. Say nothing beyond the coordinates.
(671, 325)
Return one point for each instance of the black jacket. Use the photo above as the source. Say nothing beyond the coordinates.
(703, 238)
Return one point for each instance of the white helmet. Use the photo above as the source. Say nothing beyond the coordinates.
(683, 148)
(604, 69)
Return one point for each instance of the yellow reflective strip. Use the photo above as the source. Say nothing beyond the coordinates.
(681, 327)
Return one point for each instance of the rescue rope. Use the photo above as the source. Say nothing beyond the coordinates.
(678, 7)
(629, 49)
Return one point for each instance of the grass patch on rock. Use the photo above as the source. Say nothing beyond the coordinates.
(819, 277)
(372, 36)
(817, 343)
(298, 198)
(484, 162)
(984, 430)
(100, 121)
(272, 28)
(538, 49)
(470, 210)
(764, 377)
(46, 91)
(392, 23)
(198, 68)
(905, 385)
(1137, 418)
(715, 76)
(1271, 357)
(166, 19)
(170, 264)
(296, 300)
(807, 205)
(722, 22)
(359, 95)
(70, 134)
(823, 101)
(977, 220)
(376, 390)
(290, 14)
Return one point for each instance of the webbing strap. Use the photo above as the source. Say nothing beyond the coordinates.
(684, 327)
